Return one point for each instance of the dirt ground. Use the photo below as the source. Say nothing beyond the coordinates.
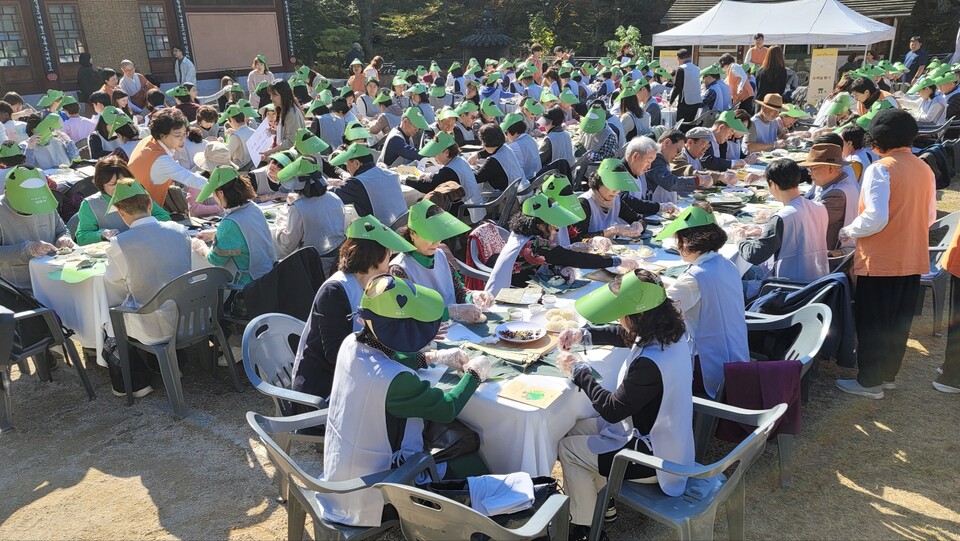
(98, 470)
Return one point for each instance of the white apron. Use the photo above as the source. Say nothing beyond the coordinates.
(468, 180)
(354, 294)
(256, 233)
(601, 219)
(671, 437)
(438, 278)
(502, 274)
(386, 197)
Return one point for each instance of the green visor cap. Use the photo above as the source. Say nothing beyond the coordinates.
(490, 109)
(356, 62)
(345, 91)
(445, 113)
(547, 97)
(691, 216)
(314, 106)
(109, 113)
(438, 144)
(886, 66)
(219, 177)
(303, 72)
(874, 71)
(263, 60)
(355, 131)
(397, 298)
(551, 212)
(627, 90)
(415, 116)
(232, 111)
(840, 105)
(51, 97)
(900, 67)
(369, 228)
(588, 69)
(510, 120)
(594, 121)
(924, 82)
(399, 81)
(236, 88)
(307, 143)
(466, 107)
(568, 97)
(27, 191)
(947, 78)
(616, 180)
(46, 128)
(663, 73)
(794, 111)
(67, 100)
(730, 119)
(493, 78)
(437, 91)
(558, 188)
(382, 97)
(532, 107)
(525, 74)
(9, 149)
(321, 84)
(454, 66)
(118, 122)
(261, 86)
(300, 167)
(436, 228)
(712, 70)
(635, 297)
(418, 88)
(177, 92)
(296, 81)
(353, 152)
(285, 157)
(434, 67)
(125, 190)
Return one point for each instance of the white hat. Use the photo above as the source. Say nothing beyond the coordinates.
(214, 155)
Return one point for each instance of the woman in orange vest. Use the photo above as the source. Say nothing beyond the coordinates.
(152, 161)
(949, 379)
(897, 206)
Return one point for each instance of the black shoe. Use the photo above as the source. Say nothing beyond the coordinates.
(610, 516)
(579, 532)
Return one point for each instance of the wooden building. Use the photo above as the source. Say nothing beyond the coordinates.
(41, 40)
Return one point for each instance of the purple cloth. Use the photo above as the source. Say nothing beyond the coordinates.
(761, 385)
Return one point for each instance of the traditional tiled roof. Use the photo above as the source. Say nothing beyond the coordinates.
(487, 34)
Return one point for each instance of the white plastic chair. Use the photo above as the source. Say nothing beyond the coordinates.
(268, 358)
(693, 514)
(426, 516)
(304, 487)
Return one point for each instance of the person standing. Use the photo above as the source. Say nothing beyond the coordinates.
(686, 87)
(772, 77)
(260, 73)
(949, 379)
(88, 82)
(354, 54)
(897, 206)
(535, 61)
(915, 61)
(184, 69)
(739, 83)
(758, 53)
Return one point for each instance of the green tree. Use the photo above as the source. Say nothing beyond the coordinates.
(541, 32)
(629, 34)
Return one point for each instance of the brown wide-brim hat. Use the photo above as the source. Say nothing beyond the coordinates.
(824, 154)
(773, 101)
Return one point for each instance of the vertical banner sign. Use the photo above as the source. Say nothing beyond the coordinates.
(286, 17)
(668, 60)
(181, 27)
(823, 74)
(42, 36)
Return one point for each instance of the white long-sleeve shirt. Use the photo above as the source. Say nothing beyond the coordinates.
(167, 167)
(875, 194)
(742, 75)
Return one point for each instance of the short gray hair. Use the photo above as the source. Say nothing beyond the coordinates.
(125, 63)
(642, 144)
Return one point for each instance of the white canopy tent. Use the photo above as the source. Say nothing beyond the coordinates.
(800, 22)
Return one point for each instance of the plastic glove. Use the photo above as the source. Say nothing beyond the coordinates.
(729, 178)
(570, 274)
(753, 178)
(781, 143)
(454, 358)
(39, 248)
(601, 244)
(108, 234)
(704, 180)
(580, 247)
(206, 235)
(843, 235)
(66, 242)
(628, 264)
(199, 247)
(570, 363)
(738, 164)
(482, 365)
(468, 313)
(482, 299)
(669, 209)
(752, 158)
(569, 338)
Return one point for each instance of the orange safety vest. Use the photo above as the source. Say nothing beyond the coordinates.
(141, 162)
(900, 248)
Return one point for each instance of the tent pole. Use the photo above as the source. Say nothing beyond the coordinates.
(866, 48)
